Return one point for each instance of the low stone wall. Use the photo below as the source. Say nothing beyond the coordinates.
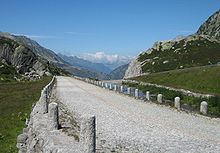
(43, 133)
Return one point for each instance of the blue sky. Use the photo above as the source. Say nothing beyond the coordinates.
(123, 27)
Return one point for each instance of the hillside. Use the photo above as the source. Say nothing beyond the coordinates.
(199, 79)
(49, 55)
(118, 73)
(189, 52)
(200, 49)
(27, 55)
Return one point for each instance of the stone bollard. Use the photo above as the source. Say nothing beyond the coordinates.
(44, 101)
(110, 86)
(136, 93)
(204, 107)
(160, 98)
(128, 91)
(177, 103)
(53, 115)
(115, 87)
(122, 89)
(106, 85)
(148, 95)
(88, 134)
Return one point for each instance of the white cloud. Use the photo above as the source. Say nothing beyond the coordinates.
(101, 57)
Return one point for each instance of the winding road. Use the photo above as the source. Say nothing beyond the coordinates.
(125, 124)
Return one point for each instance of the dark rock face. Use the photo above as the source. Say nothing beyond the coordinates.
(118, 73)
(19, 56)
(211, 27)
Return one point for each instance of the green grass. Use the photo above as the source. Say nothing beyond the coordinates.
(197, 52)
(201, 79)
(16, 99)
(7, 73)
(193, 102)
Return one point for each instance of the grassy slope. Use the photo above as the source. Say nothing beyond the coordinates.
(7, 73)
(203, 79)
(16, 99)
(198, 52)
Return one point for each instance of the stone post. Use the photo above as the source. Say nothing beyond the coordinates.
(204, 107)
(128, 91)
(88, 134)
(136, 93)
(177, 103)
(53, 115)
(44, 101)
(115, 87)
(110, 86)
(148, 95)
(106, 85)
(122, 89)
(160, 98)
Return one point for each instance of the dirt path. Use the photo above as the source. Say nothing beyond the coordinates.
(125, 124)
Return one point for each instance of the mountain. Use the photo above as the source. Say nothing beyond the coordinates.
(21, 57)
(34, 57)
(118, 73)
(211, 27)
(199, 49)
(84, 64)
(17, 59)
(49, 55)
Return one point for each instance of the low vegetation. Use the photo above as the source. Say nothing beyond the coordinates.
(7, 73)
(200, 79)
(193, 102)
(16, 99)
(185, 53)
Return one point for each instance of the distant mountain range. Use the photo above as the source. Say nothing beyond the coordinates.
(199, 49)
(81, 63)
(27, 55)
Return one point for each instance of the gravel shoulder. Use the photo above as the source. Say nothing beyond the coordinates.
(125, 124)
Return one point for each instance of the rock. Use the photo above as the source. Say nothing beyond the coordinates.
(22, 138)
(134, 69)
(211, 26)
(48, 74)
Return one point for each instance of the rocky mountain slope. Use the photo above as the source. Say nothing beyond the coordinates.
(21, 57)
(199, 49)
(34, 57)
(49, 55)
(118, 73)
(211, 27)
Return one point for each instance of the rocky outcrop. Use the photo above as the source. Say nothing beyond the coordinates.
(21, 57)
(47, 54)
(199, 49)
(134, 69)
(211, 27)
